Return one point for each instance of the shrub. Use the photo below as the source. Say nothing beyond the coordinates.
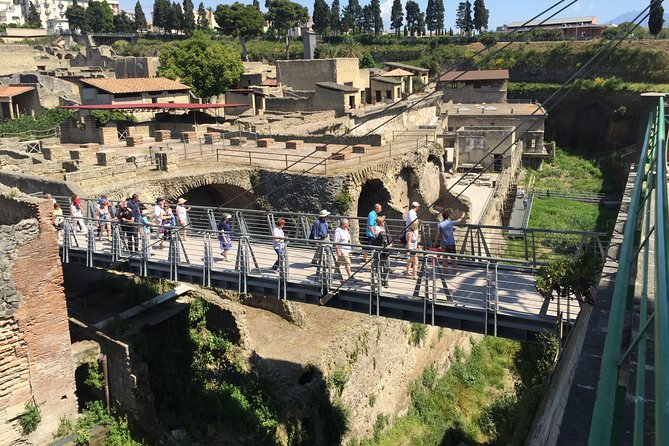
(343, 201)
(30, 418)
(418, 333)
(95, 378)
(103, 117)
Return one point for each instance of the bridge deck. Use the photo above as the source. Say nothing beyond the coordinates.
(515, 309)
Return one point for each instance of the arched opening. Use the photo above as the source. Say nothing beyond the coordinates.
(373, 191)
(228, 196)
(436, 161)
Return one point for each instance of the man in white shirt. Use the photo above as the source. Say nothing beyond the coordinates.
(412, 215)
(342, 235)
(158, 213)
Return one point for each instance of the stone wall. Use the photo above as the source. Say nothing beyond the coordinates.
(35, 358)
(31, 184)
(404, 119)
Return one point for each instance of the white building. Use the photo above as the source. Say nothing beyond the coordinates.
(52, 12)
(11, 13)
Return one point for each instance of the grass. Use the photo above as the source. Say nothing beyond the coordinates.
(564, 214)
(450, 413)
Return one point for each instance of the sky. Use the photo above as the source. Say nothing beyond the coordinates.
(501, 11)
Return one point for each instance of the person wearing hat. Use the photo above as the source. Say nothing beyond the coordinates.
(412, 215)
(319, 231)
(224, 235)
(182, 217)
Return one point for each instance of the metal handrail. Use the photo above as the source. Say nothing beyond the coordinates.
(648, 198)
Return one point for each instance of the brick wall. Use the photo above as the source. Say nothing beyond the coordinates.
(35, 357)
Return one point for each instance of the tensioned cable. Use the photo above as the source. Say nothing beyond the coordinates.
(399, 105)
(400, 110)
(608, 49)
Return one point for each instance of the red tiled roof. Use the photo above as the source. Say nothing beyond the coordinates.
(270, 82)
(135, 85)
(474, 75)
(7, 91)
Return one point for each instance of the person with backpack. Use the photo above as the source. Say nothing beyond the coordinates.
(319, 232)
(446, 239)
(382, 241)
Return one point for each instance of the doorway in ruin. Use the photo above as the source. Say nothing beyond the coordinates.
(372, 192)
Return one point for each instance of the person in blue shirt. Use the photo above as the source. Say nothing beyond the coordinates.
(371, 223)
(446, 239)
(224, 235)
(319, 231)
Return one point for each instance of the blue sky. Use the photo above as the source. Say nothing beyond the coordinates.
(501, 11)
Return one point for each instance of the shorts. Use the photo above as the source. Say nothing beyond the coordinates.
(344, 259)
(448, 248)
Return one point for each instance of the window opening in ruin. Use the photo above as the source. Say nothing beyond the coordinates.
(379, 98)
(497, 163)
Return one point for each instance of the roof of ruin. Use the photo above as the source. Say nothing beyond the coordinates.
(397, 72)
(7, 91)
(387, 80)
(270, 82)
(474, 75)
(337, 87)
(406, 67)
(135, 85)
(156, 106)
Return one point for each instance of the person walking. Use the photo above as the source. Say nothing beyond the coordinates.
(342, 240)
(279, 243)
(446, 239)
(167, 224)
(103, 220)
(383, 241)
(158, 216)
(369, 229)
(77, 214)
(412, 246)
(224, 235)
(128, 227)
(136, 207)
(182, 218)
(319, 232)
(58, 219)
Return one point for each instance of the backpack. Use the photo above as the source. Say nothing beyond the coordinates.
(381, 239)
(403, 237)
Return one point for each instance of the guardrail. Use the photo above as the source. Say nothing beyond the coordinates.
(536, 246)
(639, 311)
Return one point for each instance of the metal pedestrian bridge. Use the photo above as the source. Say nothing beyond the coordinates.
(493, 293)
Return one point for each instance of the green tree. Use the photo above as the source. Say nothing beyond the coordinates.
(321, 17)
(33, 19)
(412, 17)
(367, 61)
(375, 5)
(352, 17)
(160, 13)
(335, 17)
(421, 24)
(99, 17)
(241, 21)
(463, 18)
(656, 18)
(140, 18)
(123, 23)
(175, 18)
(351, 48)
(440, 16)
(481, 15)
(76, 18)
(207, 66)
(256, 4)
(286, 15)
(202, 21)
(396, 17)
(189, 18)
(431, 16)
(367, 19)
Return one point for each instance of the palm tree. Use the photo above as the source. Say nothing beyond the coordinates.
(351, 48)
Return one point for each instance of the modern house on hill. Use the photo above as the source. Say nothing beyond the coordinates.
(573, 27)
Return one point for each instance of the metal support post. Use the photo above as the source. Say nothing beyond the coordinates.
(90, 245)
(67, 229)
(173, 255)
(144, 259)
(116, 242)
(208, 261)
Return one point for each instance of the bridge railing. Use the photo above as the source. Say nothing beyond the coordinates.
(639, 310)
(494, 285)
(533, 245)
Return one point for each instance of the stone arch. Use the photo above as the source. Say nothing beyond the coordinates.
(69, 56)
(406, 187)
(232, 196)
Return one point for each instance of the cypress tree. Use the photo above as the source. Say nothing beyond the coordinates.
(656, 18)
(188, 17)
(375, 5)
(321, 17)
(431, 16)
(202, 21)
(439, 16)
(396, 17)
(140, 18)
(335, 17)
(33, 20)
(481, 15)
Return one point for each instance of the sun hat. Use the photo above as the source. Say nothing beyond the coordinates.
(226, 216)
(323, 213)
(181, 200)
(145, 212)
(415, 204)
